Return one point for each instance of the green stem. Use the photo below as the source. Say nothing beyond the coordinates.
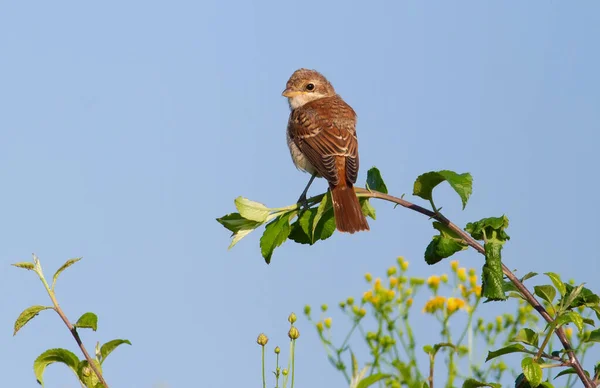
(293, 362)
(263, 367)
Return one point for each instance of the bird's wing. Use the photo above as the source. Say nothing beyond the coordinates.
(325, 130)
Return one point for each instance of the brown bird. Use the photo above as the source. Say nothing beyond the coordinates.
(321, 135)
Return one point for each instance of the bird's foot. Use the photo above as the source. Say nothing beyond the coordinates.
(303, 202)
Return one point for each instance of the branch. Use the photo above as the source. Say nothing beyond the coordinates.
(573, 361)
(74, 332)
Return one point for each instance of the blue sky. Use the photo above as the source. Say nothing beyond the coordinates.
(128, 127)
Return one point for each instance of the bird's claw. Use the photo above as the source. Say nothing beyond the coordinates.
(303, 202)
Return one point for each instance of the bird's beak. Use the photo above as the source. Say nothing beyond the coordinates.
(290, 93)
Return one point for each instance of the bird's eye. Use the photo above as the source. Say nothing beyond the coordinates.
(310, 87)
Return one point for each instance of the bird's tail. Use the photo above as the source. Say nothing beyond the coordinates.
(346, 209)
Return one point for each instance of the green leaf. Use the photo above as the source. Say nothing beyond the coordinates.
(546, 292)
(461, 183)
(472, 383)
(491, 274)
(514, 348)
(25, 265)
(560, 286)
(370, 380)
(276, 232)
(580, 296)
(87, 375)
(326, 204)
(299, 229)
(491, 228)
(527, 336)
(108, 347)
(252, 210)
(66, 265)
(87, 321)
(238, 236)
(444, 245)
(375, 181)
(302, 230)
(235, 222)
(367, 209)
(570, 316)
(27, 315)
(532, 371)
(51, 356)
(528, 275)
(568, 371)
(594, 336)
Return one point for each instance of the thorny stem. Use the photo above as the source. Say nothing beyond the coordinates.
(71, 328)
(573, 361)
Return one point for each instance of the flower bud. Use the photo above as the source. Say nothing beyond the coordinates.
(293, 333)
(262, 339)
(292, 318)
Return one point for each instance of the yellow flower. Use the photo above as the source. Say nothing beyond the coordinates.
(320, 326)
(367, 295)
(400, 260)
(350, 301)
(477, 291)
(262, 339)
(409, 302)
(463, 290)
(473, 280)
(454, 265)
(368, 277)
(377, 285)
(433, 281)
(391, 271)
(292, 318)
(453, 304)
(355, 309)
(328, 323)
(472, 271)
(375, 300)
(404, 265)
(362, 312)
(408, 291)
(462, 274)
(444, 278)
(569, 332)
(434, 304)
(391, 294)
(393, 281)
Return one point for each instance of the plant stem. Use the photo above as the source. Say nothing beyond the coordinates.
(71, 328)
(263, 367)
(573, 361)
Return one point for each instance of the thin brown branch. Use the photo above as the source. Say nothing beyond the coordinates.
(573, 361)
(75, 334)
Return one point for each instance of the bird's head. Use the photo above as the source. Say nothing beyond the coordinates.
(306, 86)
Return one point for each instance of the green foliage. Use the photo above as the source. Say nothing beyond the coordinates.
(51, 356)
(89, 375)
(375, 181)
(443, 245)
(27, 315)
(276, 232)
(87, 321)
(461, 183)
(532, 371)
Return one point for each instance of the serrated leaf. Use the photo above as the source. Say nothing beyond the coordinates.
(441, 247)
(560, 286)
(370, 380)
(514, 348)
(580, 296)
(27, 315)
(108, 347)
(236, 237)
(367, 209)
(87, 375)
(528, 275)
(472, 383)
(51, 356)
(570, 316)
(66, 265)
(527, 336)
(532, 371)
(275, 234)
(24, 265)
(252, 210)
(546, 292)
(87, 321)
(491, 274)
(297, 232)
(235, 222)
(492, 228)
(594, 336)
(568, 371)
(325, 205)
(461, 183)
(375, 181)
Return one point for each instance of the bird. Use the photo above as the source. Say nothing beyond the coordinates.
(321, 136)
